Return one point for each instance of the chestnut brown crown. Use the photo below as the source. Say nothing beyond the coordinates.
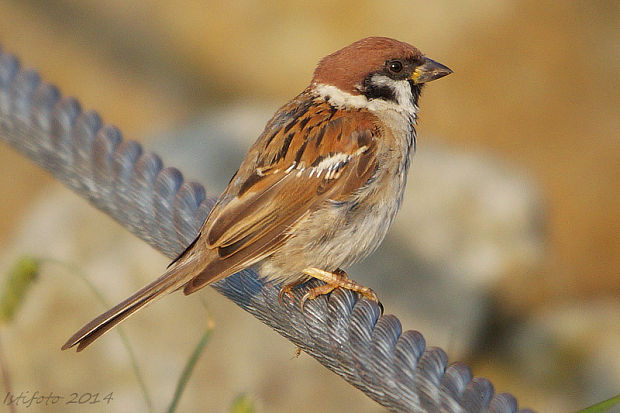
(348, 67)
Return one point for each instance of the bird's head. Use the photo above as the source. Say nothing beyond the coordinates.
(376, 68)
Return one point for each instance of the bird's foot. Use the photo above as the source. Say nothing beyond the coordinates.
(333, 280)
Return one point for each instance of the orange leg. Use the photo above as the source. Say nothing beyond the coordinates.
(333, 280)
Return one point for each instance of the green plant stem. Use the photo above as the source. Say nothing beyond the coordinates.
(602, 406)
(189, 368)
(132, 357)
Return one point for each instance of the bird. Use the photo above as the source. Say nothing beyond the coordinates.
(318, 189)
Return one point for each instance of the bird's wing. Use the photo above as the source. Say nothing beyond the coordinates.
(290, 172)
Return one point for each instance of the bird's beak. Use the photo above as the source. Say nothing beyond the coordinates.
(429, 70)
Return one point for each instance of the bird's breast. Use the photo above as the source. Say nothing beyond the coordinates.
(345, 232)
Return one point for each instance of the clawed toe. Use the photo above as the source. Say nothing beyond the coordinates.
(282, 293)
(316, 292)
(287, 289)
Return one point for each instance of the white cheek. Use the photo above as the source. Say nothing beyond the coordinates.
(402, 91)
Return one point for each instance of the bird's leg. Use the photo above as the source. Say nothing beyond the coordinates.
(287, 288)
(333, 280)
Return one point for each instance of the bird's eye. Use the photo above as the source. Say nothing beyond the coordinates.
(395, 66)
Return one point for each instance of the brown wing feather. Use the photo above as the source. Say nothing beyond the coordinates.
(288, 173)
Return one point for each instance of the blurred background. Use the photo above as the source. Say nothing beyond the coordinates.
(505, 254)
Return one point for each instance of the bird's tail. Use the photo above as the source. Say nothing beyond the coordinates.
(175, 277)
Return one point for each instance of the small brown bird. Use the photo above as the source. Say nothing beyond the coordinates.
(319, 188)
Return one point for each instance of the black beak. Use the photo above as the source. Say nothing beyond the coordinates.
(428, 71)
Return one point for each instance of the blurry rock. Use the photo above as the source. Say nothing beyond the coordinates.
(471, 215)
(568, 341)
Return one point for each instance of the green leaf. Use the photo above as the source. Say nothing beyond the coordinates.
(17, 284)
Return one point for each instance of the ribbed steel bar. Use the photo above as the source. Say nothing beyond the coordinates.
(347, 335)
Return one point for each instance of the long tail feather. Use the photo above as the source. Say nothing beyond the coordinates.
(171, 280)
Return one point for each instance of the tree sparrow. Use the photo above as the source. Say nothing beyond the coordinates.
(319, 188)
